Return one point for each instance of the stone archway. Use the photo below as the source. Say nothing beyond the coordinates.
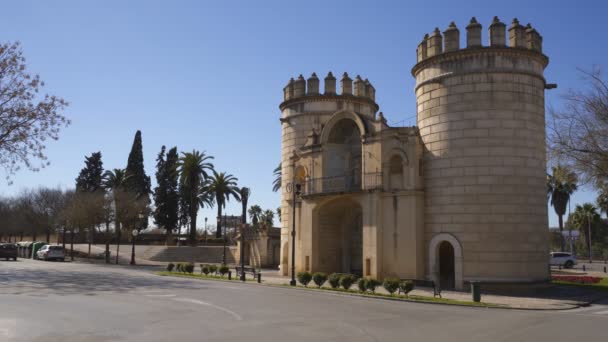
(445, 261)
(338, 233)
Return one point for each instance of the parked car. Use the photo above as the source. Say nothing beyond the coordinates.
(51, 252)
(8, 251)
(563, 259)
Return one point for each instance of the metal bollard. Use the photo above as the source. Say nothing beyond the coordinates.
(560, 266)
(584, 269)
(604, 269)
(229, 275)
(259, 278)
(476, 291)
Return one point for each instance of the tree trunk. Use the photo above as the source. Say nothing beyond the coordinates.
(48, 236)
(63, 237)
(107, 242)
(33, 236)
(168, 241)
(72, 244)
(21, 236)
(218, 229)
(118, 235)
(193, 212)
(561, 229)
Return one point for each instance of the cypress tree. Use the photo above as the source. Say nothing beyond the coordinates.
(90, 177)
(166, 197)
(137, 182)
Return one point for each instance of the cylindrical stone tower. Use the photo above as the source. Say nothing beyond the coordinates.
(481, 115)
(304, 111)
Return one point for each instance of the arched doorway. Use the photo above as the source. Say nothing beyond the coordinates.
(342, 157)
(447, 274)
(338, 233)
(445, 261)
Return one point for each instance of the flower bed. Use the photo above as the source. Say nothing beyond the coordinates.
(577, 279)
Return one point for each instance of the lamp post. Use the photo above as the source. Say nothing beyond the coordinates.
(134, 232)
(242, 277)
(296, 192)
(224, 238)
(205, 229)
(589, 235)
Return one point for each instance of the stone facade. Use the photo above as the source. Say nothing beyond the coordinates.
(460, 197)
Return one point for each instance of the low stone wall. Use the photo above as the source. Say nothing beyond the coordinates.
(202, 254)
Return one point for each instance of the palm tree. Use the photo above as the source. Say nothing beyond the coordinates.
(115, 181)
(254, 213)
(223, 186)
(276, 183)
(560, 186)
(244, 193)
(192, 168)
(602, 198)
(585, 217)
(267, 219)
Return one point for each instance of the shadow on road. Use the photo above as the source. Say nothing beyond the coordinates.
(85, 280)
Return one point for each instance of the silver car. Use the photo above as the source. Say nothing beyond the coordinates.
(51, 252)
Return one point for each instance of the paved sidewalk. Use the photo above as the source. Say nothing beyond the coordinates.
(557, 298)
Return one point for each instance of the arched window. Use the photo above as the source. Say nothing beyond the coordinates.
(396, 172)
(342, 154)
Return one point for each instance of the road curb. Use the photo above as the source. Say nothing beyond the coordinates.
(395, 299)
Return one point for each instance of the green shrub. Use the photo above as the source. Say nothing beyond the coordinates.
(205, 269)
(391, 285)
(371, 284)
(170, 267)
(347, 280)
(334, 280)
(361, 284)
(304, 278)
(319, 278)
(189, 267)
(213, 269)
(406, 286)
(223, 270)
(180, 267)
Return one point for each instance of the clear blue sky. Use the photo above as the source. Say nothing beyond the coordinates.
(209, 75)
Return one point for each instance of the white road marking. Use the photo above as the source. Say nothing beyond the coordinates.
(195, 301)
(605, 312)
(159, 295)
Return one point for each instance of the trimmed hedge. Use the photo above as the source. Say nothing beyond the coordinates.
(371, 284)
(170, 267)
(319, 278)
(347, 280)
(334, 280)
(304, 278)
(406, 286)
(391, 285)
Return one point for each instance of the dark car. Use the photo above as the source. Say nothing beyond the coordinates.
(8, 251)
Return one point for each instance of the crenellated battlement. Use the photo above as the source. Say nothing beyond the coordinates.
(518, 37)
(300, 87)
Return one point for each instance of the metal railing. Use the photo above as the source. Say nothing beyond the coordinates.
(342, 184)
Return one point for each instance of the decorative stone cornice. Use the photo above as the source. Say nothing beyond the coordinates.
(329, 98)
(480, 51)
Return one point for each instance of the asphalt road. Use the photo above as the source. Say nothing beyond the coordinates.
(52, 301)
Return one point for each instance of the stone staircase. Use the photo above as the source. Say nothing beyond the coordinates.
(202, 254)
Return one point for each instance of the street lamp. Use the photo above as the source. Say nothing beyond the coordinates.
(224, 238)
(205, 229)
(589, 235)
(296, 192)
(135, 232)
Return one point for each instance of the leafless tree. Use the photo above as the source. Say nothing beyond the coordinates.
(27, 118)
(578, 132)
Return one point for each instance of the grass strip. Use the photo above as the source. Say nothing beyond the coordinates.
(201, 276)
